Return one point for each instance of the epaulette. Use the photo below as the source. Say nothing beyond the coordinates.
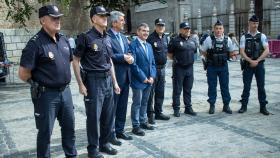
(34, 37)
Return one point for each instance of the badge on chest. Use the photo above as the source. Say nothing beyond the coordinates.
(94, 46)
(155, 44)
(51, 55)
(181, 43)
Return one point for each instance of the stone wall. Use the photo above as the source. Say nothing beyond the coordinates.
(15, 41)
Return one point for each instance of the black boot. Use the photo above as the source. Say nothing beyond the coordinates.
(151, 119)
(227, 109)
(212, 109)
(263, 110)
(189, 110)
(242, 109)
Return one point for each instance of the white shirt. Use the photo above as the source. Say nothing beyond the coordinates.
(207, 44)
(263, 40)
(72, 42)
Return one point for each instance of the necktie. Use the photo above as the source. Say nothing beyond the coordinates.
(146, 49)
(120, 41)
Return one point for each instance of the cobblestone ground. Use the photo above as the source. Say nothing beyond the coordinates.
(220, 135)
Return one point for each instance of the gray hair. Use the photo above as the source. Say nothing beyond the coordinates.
(114, 16)
(145, 25)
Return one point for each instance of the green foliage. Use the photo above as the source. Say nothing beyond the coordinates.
(20, 10)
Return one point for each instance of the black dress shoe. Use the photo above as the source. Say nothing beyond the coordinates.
(212, 109)
(151, 120)
(190, 111)
(106, 148)
(123, 136)
(146, 126)
(242, 109)
(227, 109)
(176, 113)
(96, 155)
(161, 116)
(115, 141)
(263, 110)
(138, 131)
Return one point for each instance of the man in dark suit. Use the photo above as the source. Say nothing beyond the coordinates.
(121, 58)
(143, 73)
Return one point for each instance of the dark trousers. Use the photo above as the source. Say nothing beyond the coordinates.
(259, 73)
(182, 78)
(99, 111)
(221, 72)
(120, 108)
(52, 104)
(157, 94)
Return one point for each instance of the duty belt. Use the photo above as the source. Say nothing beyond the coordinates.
(59, 89)
(99, 74)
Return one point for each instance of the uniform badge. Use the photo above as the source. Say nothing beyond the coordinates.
(155, 44)
(94, 47)
(181, 43)
(51, 55)
(55, 8)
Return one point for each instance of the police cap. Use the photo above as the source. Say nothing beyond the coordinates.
(218, 23)
(159, 21)
(50, 10)
(98, 10)
(185, 25)
(254, 18)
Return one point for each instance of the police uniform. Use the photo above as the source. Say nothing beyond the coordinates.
(159, 45)
(253, 45)
(218, 50)
(95, 51)
(49, 62)
(183, 50)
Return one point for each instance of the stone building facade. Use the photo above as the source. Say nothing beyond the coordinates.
(202, 14)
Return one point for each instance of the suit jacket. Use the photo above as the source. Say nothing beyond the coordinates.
(142, 67)
(122, 68)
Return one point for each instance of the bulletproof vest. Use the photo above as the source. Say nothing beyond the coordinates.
(219, 53)
(253, 46)
(185, 50)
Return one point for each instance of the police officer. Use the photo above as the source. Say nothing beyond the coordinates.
(45, 64)
(181, 49)
(158, 40)
(254, 49)
(217, 48)
(93, 53)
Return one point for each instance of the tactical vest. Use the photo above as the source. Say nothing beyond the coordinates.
(219, 53)
(253, 46)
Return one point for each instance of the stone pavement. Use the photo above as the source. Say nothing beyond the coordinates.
(249, 135)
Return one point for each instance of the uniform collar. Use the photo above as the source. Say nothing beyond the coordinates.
(157, 35)
(254, 33)
(219, 38)
(98, 33)
(57, 35)
(180, 35)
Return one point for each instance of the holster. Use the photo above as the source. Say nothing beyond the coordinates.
(83, 75)
(244, 64)
(205, 63)
(34, 89)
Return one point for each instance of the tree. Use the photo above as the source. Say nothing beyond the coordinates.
(20, 10)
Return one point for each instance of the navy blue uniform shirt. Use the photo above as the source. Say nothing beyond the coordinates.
(48, 60)
(159, 47)
(183, 50)
(95, 51)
